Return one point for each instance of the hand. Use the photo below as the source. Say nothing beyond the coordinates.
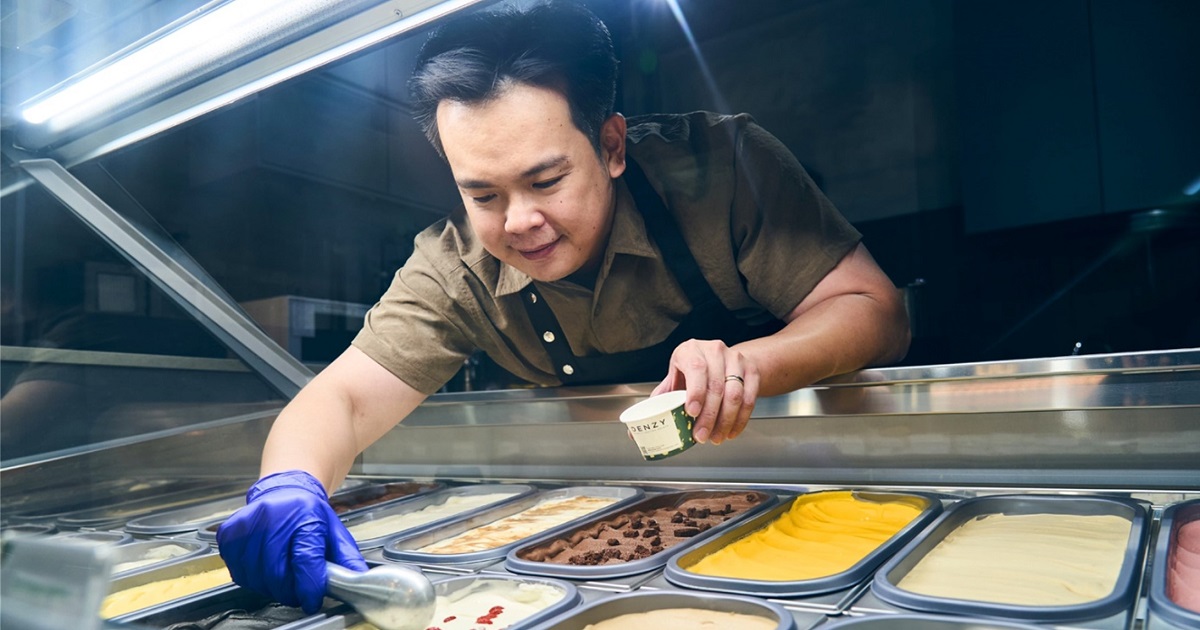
(720, 403)
(278, 543)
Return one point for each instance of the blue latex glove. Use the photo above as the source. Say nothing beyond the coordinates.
(277, 545)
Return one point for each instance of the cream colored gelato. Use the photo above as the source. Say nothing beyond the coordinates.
(534, 520)
(492, 603)
(1025, 559)
(152, 556)
(154, 593)
(454, 505)
(685, 619)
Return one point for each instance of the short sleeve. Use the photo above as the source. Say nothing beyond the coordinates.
(415, 331)
(786, 234)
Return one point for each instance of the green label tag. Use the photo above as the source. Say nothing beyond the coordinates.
(50, 585)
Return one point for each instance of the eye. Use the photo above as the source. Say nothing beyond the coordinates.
(548, 183)
(484, 199)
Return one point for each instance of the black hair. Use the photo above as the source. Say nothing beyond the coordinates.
(557, 45)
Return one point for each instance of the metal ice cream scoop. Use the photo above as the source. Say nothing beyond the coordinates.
(390, 597)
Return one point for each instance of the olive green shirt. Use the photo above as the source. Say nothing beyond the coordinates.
(761, 231)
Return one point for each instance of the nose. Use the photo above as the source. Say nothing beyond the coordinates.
(523, 215)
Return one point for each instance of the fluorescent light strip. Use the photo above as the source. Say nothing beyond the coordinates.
(76, 154)
(223, 35)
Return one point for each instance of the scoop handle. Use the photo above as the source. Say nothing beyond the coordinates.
(391, 597)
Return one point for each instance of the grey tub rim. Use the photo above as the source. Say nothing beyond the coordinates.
(1120, 599)
(861, 570)
(1158, 602)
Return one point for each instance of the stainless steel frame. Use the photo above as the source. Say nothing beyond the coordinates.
(219, 316)
(1073, 425)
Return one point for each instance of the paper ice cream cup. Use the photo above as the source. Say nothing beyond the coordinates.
(660, 426)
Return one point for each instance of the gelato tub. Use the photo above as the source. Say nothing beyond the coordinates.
(672, 611)
(1038, 558)
(633, 540)
(102, 538)
(490, 534)
(235, 609)
(493, 601)
(52, 502)
(147, 554)
(172, 582)
(1175, 579)
(351, 500)
(185, 519)
(112, 516)
(358, 499)
(376, 527)
(815, 543)
(923, 622)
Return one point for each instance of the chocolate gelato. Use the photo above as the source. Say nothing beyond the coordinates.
(373, 495)
(644, 529)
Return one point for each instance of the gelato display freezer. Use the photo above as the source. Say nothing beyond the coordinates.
(1123, 428)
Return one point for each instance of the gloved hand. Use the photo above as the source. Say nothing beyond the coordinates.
(277, 544)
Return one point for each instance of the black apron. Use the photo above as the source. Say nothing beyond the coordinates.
(708, 319)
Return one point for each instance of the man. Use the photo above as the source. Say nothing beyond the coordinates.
(709, 257)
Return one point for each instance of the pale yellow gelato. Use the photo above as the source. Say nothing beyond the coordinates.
(454, 505)
(153, 555)
(154, 593)
(1025, 559)
(534, 520)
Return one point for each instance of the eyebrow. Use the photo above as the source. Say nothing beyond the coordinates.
(544, 165)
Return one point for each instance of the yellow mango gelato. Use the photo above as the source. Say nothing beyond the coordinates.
(822, 534)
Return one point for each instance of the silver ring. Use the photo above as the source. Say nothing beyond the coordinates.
(735, 377)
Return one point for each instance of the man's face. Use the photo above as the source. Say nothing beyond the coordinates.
(535, 191)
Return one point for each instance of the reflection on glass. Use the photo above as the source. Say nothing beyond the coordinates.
(91, 350)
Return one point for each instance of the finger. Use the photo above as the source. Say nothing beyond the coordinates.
(731, 398)
(308, 565)
(749, 399)
(343, 549)
(689, 366)
(710, 383)
(667, 383)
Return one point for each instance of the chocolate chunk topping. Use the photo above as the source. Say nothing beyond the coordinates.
(657, 542)
(629, 533)
(687, 532)
(753, 498)
(613, 542)
(677, 518)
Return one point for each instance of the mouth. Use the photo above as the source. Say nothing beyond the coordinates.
(539, 253)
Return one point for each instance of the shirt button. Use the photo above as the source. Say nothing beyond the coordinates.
(533, 298)
(548, 336)
(568, 370)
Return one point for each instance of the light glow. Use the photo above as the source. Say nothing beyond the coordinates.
(227, 33)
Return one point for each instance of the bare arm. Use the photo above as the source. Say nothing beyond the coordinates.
(348, 406)
(853, 318)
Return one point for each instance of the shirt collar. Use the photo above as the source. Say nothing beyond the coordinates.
(628, 237)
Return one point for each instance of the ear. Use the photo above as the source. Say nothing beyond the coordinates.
(612, 145)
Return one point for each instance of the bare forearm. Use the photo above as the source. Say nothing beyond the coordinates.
(314, 433)
(839, 335)
(352, 403)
